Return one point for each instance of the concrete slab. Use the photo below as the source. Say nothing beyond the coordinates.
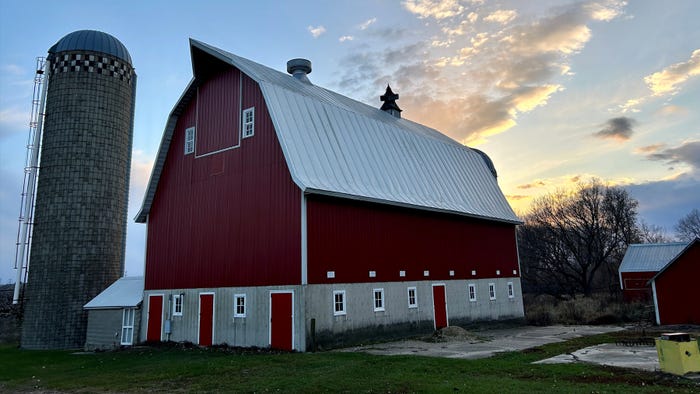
(637, 357)
(492, 342)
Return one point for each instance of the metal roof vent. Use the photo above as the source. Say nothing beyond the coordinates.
(299, 68)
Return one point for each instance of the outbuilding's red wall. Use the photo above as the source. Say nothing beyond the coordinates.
(230, 218)
(352, 238)
(634, 286)
(677, 295)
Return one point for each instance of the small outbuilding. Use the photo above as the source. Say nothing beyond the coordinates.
(675, 288)
(114, 315)
(641, 263)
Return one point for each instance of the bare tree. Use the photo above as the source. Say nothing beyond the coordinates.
(688, 227)
(652, 233)
(572, 243)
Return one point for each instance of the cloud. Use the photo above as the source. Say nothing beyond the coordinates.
(632, 104)
(605, 11)
(501, 16)
(528, 98)
(12, 69)
(565, 33)
(473, 80)
(686, 153)
(346, 38)
(316, 31)
(364, 25)
(437, 9)
(533, 184)
(617, 128)
(665, 201)
(649, 148)
(12, 120)
(668, 80)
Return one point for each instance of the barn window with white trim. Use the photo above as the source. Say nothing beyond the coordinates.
(248, 122)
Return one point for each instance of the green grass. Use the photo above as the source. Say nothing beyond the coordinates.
(178, 369)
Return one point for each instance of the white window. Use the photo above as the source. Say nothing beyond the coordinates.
(239, 305)
(128, 326)
(472, 292)
(402, 273)
(378, 300)
(189, 140)
(248, 122)
(426, 273)
(492, 291)
(330, 274)
(412, 301)
(372, 274)
(339, 302)
(511, 292)
(177, 304)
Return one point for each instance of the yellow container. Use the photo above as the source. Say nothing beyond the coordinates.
(678, 354)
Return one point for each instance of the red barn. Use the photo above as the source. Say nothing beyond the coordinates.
(283, 214)
(641, 263)
(675, 297)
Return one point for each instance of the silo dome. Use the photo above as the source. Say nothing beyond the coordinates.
(92, 40)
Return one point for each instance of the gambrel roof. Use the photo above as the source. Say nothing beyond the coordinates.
(650, 257)
(337, 146)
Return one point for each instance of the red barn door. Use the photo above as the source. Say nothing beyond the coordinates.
(439, 306)
(206, 319)
(281, 321)
(155, 318)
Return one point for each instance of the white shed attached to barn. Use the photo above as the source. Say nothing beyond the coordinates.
(114, 315)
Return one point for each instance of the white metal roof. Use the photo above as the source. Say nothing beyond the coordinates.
(650, 257)
(126, 292)
(338, 146)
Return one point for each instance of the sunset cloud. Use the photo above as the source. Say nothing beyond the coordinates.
(437, 9)
(649, 148)
(531, 185)
(617, 128)
(473, 80)
(501, 16)
(686, 153)
(668, 80)
(316, 31)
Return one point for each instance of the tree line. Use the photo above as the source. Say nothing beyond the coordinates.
(572, 242)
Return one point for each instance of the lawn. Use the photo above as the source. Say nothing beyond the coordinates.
(171, 368)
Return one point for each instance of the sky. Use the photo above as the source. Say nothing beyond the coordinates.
(555, 92)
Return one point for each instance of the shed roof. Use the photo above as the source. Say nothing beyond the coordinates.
(650, 257)
(675, 258)
(126, 292)
(337, 146)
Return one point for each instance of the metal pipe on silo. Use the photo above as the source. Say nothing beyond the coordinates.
(23, 240)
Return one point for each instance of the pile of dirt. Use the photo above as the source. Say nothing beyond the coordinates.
(454, 334)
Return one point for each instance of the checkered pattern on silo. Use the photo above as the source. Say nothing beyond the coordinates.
(82, 194)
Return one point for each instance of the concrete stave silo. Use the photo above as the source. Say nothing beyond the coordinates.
(80, 218)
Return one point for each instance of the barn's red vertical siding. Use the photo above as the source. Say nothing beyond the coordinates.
(634, 285)
(676, 289)
(352, 238)
(230, 218)
(217, 112)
